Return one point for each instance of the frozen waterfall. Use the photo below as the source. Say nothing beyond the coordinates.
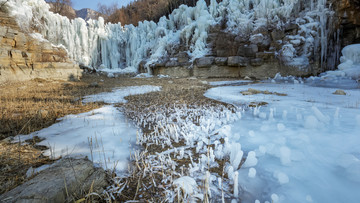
(116, 47)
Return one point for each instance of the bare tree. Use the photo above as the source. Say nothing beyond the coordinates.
(107, 10)
(62, 7)
(2, 3)
(59, 6)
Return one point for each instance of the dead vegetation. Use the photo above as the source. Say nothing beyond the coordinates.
(15, 160)
(30, 106)
(252, 91)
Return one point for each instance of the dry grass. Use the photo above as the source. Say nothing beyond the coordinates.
(30, 106)
(15, 160)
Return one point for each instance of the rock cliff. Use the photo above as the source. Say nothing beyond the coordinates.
(264, 54)
(27, 56)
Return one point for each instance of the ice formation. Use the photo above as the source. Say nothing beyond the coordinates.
(103, 135)
(121, 48)
(350, 63)
(321, 136)
(118, 95)
(186, 183)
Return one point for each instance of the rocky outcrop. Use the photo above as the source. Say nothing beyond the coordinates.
(348, 13)
(65, 181)
(258, 56)
(305, 45)
(88, 14)
(24, 56)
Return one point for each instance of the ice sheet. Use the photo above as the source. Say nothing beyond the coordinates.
(306, 142)
(104, 135)
(118, 95)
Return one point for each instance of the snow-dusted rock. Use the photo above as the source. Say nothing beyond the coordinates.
(63, 181)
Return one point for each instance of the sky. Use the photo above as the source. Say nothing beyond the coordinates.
(79, 4)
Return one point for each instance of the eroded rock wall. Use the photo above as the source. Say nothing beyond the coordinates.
(24, 56)
(230, 55)
(348, 12)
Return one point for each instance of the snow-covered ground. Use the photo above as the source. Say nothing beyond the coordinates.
(104, 135)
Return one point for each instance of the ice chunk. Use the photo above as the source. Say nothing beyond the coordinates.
(262, 149)
(320, 116)
(230, 172)
(251, 160)
(186, 183)
(252, 173)
(236, 184)
(275, 198)
(350, 63)
(225, 131)
(237, 159)
(281, 177)
(262, 115)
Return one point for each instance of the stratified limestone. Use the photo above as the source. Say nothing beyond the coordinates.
(23, 57)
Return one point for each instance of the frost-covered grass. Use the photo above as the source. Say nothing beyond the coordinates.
(178, 146)
(301, 146)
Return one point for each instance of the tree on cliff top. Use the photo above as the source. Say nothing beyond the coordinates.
(62, 7)
(140, 10)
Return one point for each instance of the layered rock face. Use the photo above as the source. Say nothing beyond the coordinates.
(260, 56)
(348, 12)
(264, 54)
(25, 57)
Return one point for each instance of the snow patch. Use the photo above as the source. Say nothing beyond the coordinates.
(118, 95)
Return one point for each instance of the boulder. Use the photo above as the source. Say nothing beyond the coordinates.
(237, 61)
(221, 61)
(204, 62)
(256, 62)
(182, 57)
(172, 63)
(222, 53)
(64, 181)
(248, 50)
(340, 92)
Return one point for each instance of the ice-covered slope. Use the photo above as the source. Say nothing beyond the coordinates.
(118, 47)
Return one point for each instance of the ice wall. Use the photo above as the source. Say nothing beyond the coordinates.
(117, 47)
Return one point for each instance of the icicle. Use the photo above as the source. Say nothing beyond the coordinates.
(236, 184)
